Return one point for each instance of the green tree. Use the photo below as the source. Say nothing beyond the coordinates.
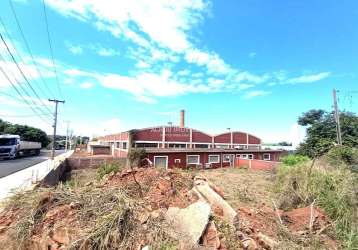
(135, 156)
(26, 133)
(321, 131)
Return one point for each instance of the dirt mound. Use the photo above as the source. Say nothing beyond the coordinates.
(162, 189)
(300, 219)
(261, 219)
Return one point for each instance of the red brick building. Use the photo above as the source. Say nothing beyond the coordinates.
(179, 146)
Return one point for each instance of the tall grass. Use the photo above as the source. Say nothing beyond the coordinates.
(335, 190)
(107, 169)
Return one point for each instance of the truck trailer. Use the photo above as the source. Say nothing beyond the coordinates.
(11, 146)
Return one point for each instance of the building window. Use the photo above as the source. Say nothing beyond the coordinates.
(246, 156)
(124, 145)
(201, 145)
(228, 158)
(176, 145)
(192, 159)
(177, 161)
(222, 146)
(214, 158)
(146, 145)
(267, 157)
(118, 145)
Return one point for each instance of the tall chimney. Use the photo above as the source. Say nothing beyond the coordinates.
(182, 118)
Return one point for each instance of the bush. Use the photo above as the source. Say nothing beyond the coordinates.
(292, 160)
(107, 169)
(135, 156)
(334, 190)
(345, 154)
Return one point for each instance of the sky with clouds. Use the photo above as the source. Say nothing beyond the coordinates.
(253, 65)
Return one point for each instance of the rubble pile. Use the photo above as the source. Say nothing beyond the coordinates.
(138, 208)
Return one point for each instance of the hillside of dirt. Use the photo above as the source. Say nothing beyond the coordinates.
(147, 208)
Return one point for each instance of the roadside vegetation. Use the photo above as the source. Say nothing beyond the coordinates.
(26, 133)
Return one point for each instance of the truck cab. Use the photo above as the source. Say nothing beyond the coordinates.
(12, 146)
(9, 145)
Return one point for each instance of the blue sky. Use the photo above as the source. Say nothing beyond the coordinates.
(253, 65)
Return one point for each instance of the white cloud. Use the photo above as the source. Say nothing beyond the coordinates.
(74, 49)
(76, 73)
(145, 84)
(256, 93)
(308, 78)
(86, 85)
(97, 48)
(251, 78)
(244, 86)
(252, 54)
(211, 61)
(107, 52)
(118, 17)
(97, 127)
(142, 64)
(102, 51)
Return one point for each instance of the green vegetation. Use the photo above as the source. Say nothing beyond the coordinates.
(292, 160)
(106, 169)
(334, 189)
(135, 156)
(26, 133)
(321, 132)
(347, 155)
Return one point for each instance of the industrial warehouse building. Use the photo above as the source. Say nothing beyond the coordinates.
(179, 146)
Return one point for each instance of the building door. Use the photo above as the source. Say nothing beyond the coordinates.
(232, 159)
(161, 162)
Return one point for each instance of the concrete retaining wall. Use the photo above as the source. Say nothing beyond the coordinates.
(47, 172)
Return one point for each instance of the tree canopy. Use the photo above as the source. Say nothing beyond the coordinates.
(321, 131)
(25, 132)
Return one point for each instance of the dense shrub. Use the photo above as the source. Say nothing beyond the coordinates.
(332, 189)
(292, 160)
(344, 154)
(135, 156)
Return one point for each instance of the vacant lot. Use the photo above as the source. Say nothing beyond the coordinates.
(242, 186)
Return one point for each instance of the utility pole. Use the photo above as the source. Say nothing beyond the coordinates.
(54, 126)
(336, 116)
(68, 123)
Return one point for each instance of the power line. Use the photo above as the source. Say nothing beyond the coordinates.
(51, 50)
(2, 115)
(22, 73)
(23, 89)
(27, 46)
(13, 85)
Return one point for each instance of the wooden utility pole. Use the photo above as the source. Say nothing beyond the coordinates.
(67, 135)
(336, 116)
(54, 127)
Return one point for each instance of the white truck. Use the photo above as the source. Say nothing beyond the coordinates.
(11, 146)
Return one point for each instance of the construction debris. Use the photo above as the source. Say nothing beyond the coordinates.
(173, 210)
(188, 224)
(217, 203)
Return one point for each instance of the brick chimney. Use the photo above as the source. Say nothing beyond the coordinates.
(182, 118)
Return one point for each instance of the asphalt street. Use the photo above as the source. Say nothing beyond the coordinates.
(8, 167)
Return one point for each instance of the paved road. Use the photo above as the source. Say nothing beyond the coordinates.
(11, 166)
